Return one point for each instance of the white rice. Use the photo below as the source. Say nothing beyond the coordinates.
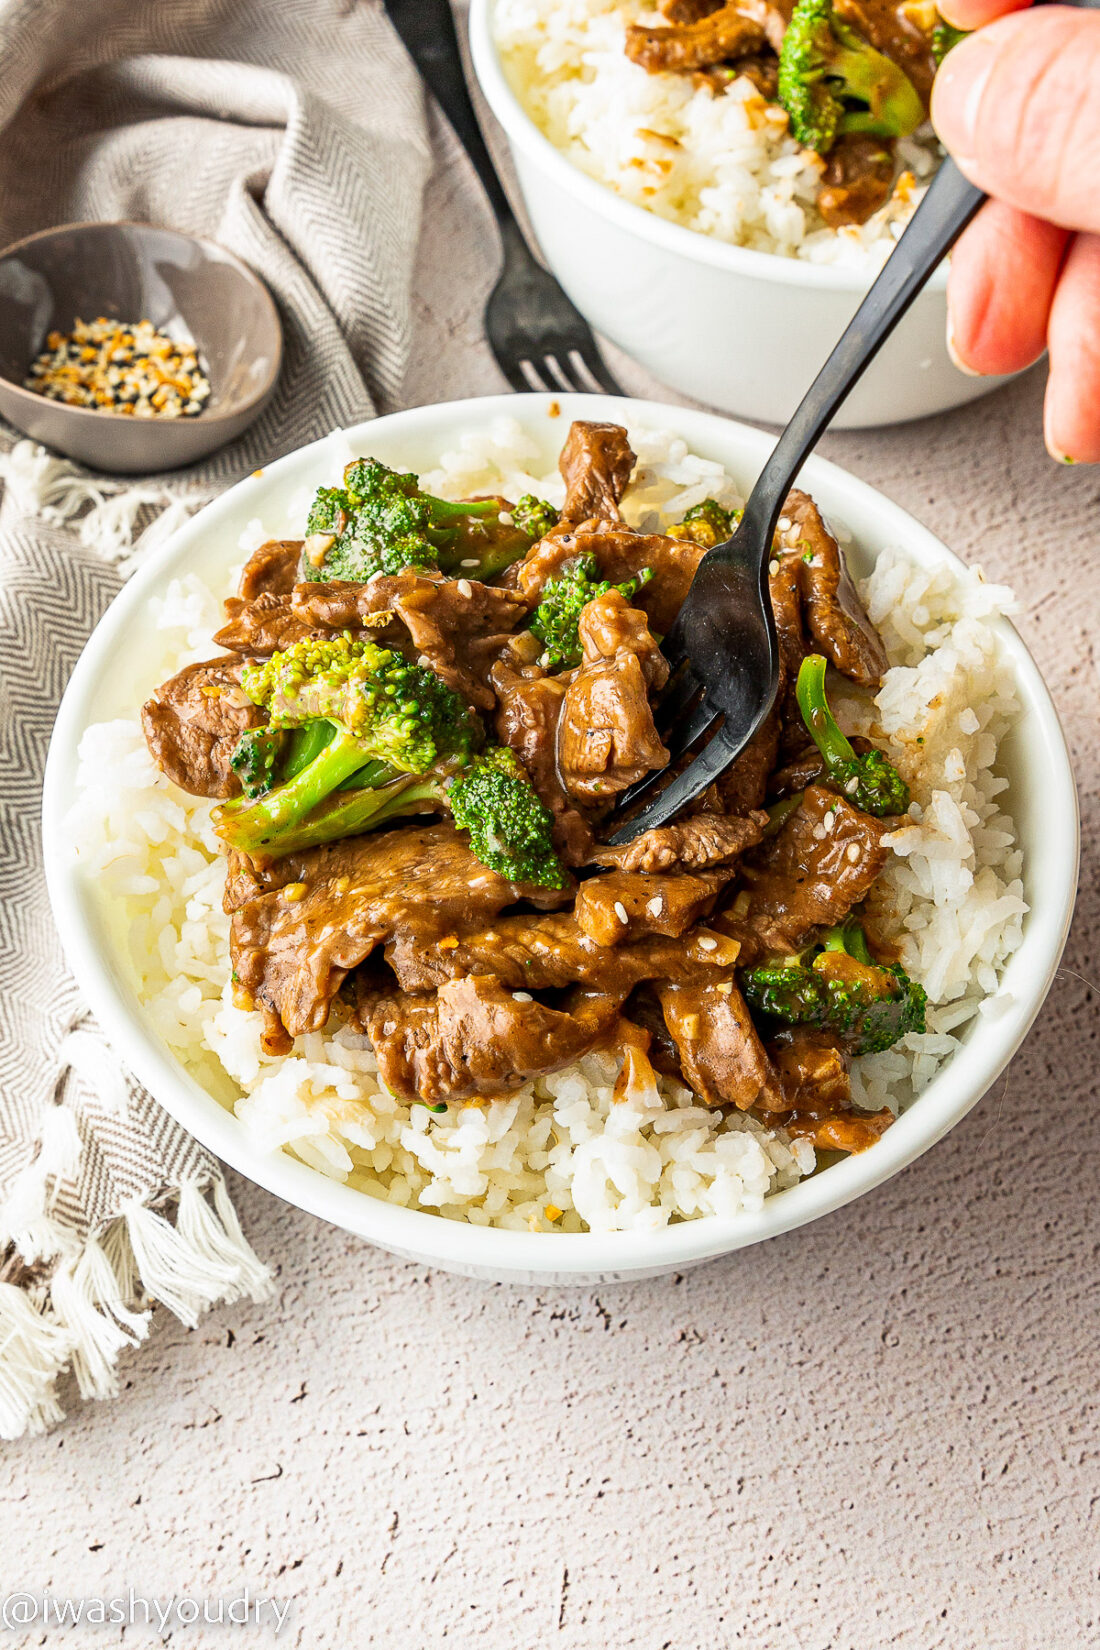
(562, 1155)
(724, 165)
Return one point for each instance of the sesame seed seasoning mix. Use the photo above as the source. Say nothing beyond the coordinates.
(121, 367)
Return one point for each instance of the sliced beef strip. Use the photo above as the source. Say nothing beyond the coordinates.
(263, 625)
(692, 844)
(457, 627)
(743, 786)
(621, 906)
(620, 555)
(546, 953)
(785, 587)
(318, 914)
(472, 1039)
(735, 30)
(596, 464)
(858, 179)
(272, 570)
(762, 70)
(606, 736)
(835, 616)
(805, 767)
(809, 875)
(528, 709)
(687, 11)
(193, 723)
(719, 1049)
(813, 1074)
(643, 1008)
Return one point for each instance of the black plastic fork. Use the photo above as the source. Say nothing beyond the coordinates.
(722, 649)
(540, 339)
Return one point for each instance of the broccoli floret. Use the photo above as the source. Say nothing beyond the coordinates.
(534, 517)
(509, 828)
(373, 737)
(944, 38)
(708, 524)
(870, 781)
(362, 711)
(832, 82)
(555, 619)
(839, 987)
(255, 758)
(380, 521)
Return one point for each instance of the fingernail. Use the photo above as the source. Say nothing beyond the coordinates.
(957, 94)
(971, 372)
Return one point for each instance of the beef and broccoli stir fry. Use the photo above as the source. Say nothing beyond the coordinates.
(852, 75)
(415, 735)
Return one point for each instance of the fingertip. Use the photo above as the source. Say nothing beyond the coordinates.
(975, 14)
(999, 290)
(1071, 411)
(953, 349)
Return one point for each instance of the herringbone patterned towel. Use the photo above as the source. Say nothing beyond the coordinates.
(293, 132)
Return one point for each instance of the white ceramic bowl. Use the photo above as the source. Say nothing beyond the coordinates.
(743, 331)
(1042, 798)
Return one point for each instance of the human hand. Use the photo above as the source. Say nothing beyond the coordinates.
(1017, 106)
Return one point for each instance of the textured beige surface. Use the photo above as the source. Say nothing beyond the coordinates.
(879, 1430)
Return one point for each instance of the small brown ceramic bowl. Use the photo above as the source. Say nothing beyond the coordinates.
(193, 290)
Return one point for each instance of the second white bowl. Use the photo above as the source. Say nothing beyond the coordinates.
(740, 330)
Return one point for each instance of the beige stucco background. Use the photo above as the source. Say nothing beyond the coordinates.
(880, 1430)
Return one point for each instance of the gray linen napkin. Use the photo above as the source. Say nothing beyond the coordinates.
(293, 133)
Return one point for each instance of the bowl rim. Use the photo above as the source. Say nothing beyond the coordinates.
(600, 198)
(532, 1256)
(260, 286)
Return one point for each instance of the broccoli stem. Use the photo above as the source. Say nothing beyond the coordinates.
(849, 938)
(779, 812)
(824, 729)
(353, 812)
(491, 560)
(255, 826)
(307, 743)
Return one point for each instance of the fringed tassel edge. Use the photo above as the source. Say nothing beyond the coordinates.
(99, 1299)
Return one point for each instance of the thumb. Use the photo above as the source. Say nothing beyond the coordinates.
(1016, 106)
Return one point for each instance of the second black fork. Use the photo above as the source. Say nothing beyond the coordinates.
(539, 337)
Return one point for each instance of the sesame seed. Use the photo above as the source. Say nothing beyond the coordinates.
(293, 892)
(828, 822)
(465, 588)
(852, 786)
(522, 997)
(424, 662)
(620, 911)
(853, 852)
(707, 942)
(471, 561)
(773, 567)
(505, 518)
(654, 906)
(120, 367)
(724, 988)
(784, 524)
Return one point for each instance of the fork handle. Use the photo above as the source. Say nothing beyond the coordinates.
(948, 206)
(427, 28)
